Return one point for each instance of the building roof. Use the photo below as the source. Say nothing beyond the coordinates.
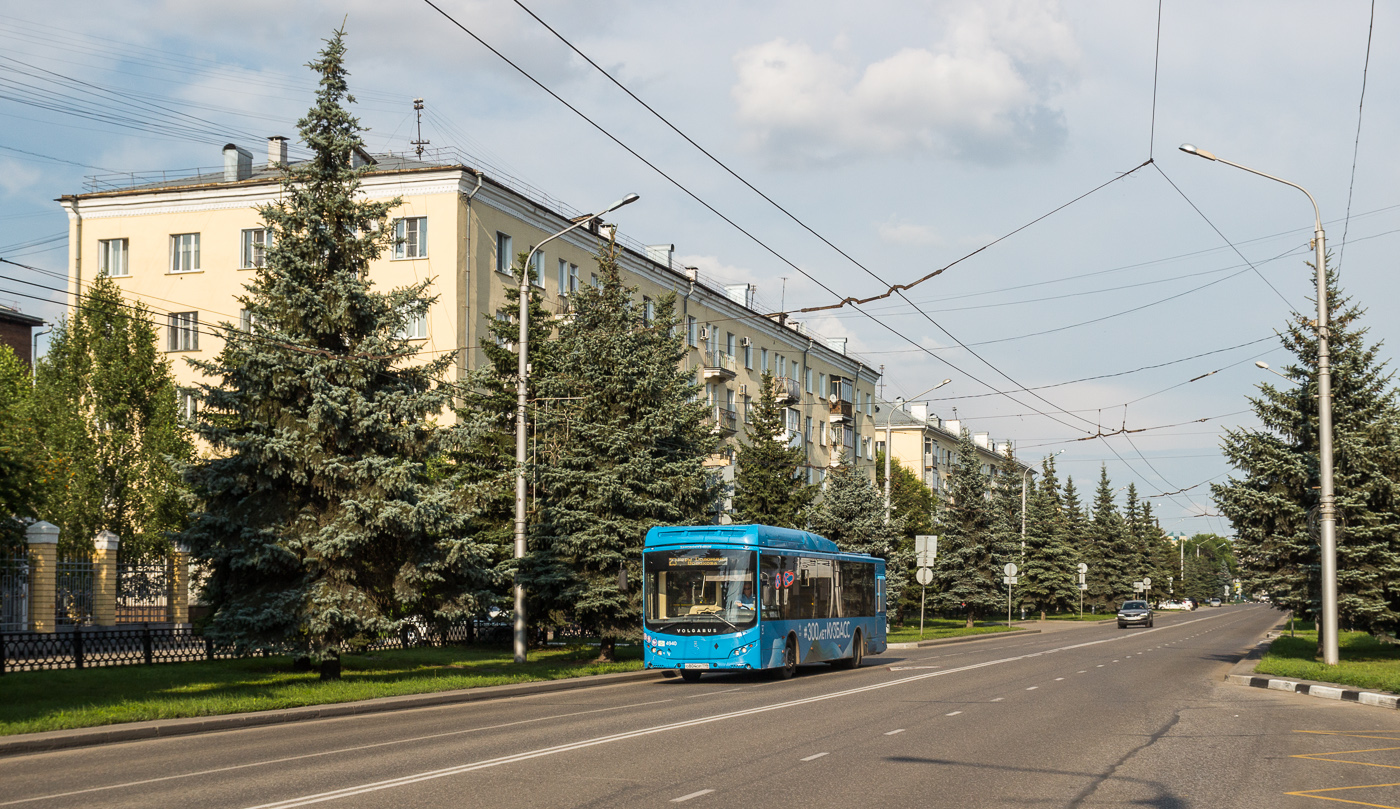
(11, 315)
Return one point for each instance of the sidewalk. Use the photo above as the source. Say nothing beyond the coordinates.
(163, 728)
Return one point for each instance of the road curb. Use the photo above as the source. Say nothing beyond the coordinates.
(944, 641)
(165, 728)
(1315, 689)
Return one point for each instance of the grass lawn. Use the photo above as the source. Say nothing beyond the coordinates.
(35, 701)
(941, 628)
(1365, 663)
(1088, 616)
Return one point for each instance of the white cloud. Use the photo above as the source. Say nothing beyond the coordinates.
(984, 93)
(909, 234)
(15, 177)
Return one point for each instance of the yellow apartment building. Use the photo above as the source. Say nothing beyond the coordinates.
(186, 245)
(927, 445)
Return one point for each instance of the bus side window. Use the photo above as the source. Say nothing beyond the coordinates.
(880, 594)
(773, 596)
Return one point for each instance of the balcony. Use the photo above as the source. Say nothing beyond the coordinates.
(786, 391)
(840, 411)
(719, 366)
(726, 421)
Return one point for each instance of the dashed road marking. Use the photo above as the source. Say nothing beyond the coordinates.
(954, 713)
(893, 732)
(998, 699)
(1057, 679)
(684, 798)
(1032, 688)
(815, 756)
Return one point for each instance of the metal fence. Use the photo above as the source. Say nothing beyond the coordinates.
(145, 592)
(14, 591)
(73, 590)
(85, 647)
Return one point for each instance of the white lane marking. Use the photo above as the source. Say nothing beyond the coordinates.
(1032, 688)
(712, 693)
(1081, 671)
(912, 668)
(998, 699)
(354, 749)
(893, 732)
(1099, 666)
(684, 798)
(815, 756)
(954, 713)
(1057, 679)
(307, 800)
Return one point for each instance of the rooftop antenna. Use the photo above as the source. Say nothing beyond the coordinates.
(420, 143)
(782, 300)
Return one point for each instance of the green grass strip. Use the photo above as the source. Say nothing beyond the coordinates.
(941, 628)
(1365, 663)
(55, 700)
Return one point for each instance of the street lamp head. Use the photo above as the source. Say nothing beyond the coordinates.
(1262, 364)
(941, 384)
(627, 200)
(1191, 149)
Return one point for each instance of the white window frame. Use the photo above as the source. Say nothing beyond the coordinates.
(182, 331)
(252, 248)
(186, 404)
(748, 356)
(410, 238)
(648, 310)
(537, 264)
(184, 253)
(112, 257)
(505, 260)
(415, 327)
(692, 331)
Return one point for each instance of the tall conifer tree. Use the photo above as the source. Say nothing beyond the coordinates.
(632, 438)
(968, 570)
(851, 513)
(768, 484)
(1272, 502)
(320, 520)
(1048, 567)
(1110, 566)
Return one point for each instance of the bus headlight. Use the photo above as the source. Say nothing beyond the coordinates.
(742, 650)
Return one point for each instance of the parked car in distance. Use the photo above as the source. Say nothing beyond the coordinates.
(1190, 603)
(1134, 613)
(1215, 602)
(1174, 605)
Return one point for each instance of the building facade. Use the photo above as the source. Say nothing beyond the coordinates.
(187, 246)
(17, 332)
(928, 445)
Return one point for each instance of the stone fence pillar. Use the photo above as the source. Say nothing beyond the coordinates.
(180, 585)
(43, 575)
(104, 579)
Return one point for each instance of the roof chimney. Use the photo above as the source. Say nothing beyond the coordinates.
(982, 440)
(919, 410)
(741, 294)
(238, 163)
(837, 344)
(661, 254)
(276, 151)
(693, 273)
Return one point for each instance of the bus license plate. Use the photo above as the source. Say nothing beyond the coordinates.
(697, 665)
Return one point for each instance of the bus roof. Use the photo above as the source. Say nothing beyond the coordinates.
(763, 536)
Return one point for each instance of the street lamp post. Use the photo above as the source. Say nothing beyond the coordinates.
(889, 432)
(1024, 475)
(521, 394)
(1265, 366)
(1327, 507)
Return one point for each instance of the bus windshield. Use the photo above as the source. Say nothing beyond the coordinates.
(700, 592)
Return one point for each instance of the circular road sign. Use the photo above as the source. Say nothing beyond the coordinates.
(1083, 568)
(1146, 581)
(924, 576)
(1010, 569)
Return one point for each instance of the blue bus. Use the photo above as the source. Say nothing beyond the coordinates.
(749, 597)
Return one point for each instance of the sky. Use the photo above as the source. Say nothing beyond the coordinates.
(1093, 271)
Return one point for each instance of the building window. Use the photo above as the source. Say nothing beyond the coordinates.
(593, 279)
(748, 356)
(808, 380)
(782, 365)
(537, 269)
(503, 322)
(183, 330)
(255, 242)
(111, 257)
(188, 405)
(648, 310)
(731, 344)
(822, 389)
(763, 360)
(748, 409)
(504, 258)
(415, 327)
(692, 331)
(807, 433)
(246, 321)
(821, 433)
(184, 252)
(729, 399)
(411, 237)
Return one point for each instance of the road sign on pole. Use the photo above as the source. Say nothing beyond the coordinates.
(1083, 568)
(924, 576)
(1009, 569)
(925, 549)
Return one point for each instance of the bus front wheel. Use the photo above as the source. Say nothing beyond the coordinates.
(690, 675)
(789, 666)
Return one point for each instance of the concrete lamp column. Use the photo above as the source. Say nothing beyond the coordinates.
(42, 538)
(104, 579)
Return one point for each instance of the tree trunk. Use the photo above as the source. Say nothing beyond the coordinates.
(1042, 615)
(607, 649)
(330, 666)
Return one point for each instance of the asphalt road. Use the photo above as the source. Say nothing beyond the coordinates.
(1084, 715)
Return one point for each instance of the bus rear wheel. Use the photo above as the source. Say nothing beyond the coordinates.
(789, 666)
(690, 675)
(857, 654)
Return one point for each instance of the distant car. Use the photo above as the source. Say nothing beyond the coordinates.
(1134, 613)
(1191, 604)
(1174, 605)
(1215, 602)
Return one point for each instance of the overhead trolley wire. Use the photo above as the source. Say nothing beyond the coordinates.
(1356, 145)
